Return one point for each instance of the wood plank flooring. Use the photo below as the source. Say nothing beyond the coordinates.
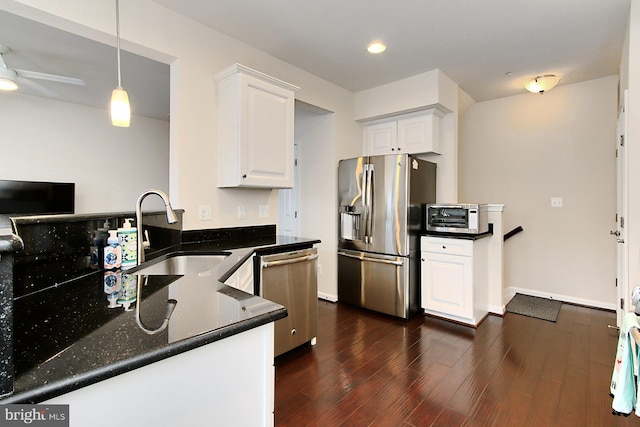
(369, 369)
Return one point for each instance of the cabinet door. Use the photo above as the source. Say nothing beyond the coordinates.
(419, 134)
(447, 284)
(266, 135)
(380, 138)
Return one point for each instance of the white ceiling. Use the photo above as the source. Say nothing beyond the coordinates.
(475, 42)
(38, 47)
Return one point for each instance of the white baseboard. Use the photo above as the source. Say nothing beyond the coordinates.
(511, 292)
(499, 310)
(328, 297)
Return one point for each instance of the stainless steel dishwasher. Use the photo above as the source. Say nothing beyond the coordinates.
(291, 279)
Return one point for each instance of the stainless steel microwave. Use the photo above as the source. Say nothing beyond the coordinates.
(467, 218)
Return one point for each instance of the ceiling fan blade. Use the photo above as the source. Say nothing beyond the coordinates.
(2, 63)
(22, 81)
(51, 77)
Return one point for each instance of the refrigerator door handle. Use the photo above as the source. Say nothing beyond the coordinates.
(369, 191)
(365, 202)
(364, 258)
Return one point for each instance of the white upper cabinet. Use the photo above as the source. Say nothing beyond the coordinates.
(255, 129)
(410, 133)
(381, 138)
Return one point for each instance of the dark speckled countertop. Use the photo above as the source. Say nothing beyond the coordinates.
(67, 337)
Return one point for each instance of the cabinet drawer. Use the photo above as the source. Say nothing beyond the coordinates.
(449, 246)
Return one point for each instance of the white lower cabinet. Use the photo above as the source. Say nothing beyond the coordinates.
(230, 382)
(454, 278)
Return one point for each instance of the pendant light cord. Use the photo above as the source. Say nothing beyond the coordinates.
(118, 39)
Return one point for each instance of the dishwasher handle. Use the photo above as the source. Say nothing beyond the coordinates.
(364, 258)
(267, 264)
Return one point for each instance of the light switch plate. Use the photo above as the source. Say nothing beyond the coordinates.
(556, 202)
(242, 212)
(204, 212)
(263, 211)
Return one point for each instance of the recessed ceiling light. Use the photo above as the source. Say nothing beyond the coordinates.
(376, 47)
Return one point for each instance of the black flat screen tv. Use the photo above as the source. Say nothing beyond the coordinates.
(31, 197)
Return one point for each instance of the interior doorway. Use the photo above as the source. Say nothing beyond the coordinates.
(289, 200)
(308, 209)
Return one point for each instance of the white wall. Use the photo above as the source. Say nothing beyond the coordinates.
(49, 140)
(523, 150)
(197, 54)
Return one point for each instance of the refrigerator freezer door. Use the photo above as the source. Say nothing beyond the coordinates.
(376, 282)
(351, 203)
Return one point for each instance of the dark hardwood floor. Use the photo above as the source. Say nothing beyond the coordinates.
(371, 369)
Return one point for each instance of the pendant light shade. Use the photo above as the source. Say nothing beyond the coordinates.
(120, 109)
(541, 84)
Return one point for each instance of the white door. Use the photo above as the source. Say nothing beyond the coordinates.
(623, 300)
(289, 199)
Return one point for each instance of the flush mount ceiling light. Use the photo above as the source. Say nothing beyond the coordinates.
(120, 109)
(541, 84)
(376, 46)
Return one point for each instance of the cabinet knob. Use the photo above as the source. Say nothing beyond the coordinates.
(399, 148)
(444, 247)
(293, 331)
(393, 149)
(422, 259)
(244, 175)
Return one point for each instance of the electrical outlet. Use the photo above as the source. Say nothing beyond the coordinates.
(263, 211)
(204, 212)
(242, 212)
(556, 202)
(319, 268)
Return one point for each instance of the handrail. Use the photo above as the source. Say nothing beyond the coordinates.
(513, 232)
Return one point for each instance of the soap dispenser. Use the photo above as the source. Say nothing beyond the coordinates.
(112, 252)
(128, 240)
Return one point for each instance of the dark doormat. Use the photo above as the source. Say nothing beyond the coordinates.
(540, 308)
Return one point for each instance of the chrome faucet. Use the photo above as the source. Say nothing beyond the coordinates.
(171, 218)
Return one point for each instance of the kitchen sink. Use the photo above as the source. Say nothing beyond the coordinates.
(182, 264)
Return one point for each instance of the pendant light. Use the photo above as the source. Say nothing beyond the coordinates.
(120, 110)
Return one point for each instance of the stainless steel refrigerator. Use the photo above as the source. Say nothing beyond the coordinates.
(380, 208)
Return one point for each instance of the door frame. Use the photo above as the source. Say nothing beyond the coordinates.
(623, 294)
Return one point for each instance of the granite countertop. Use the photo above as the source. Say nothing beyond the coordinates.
(74, 334)
(463, 236)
